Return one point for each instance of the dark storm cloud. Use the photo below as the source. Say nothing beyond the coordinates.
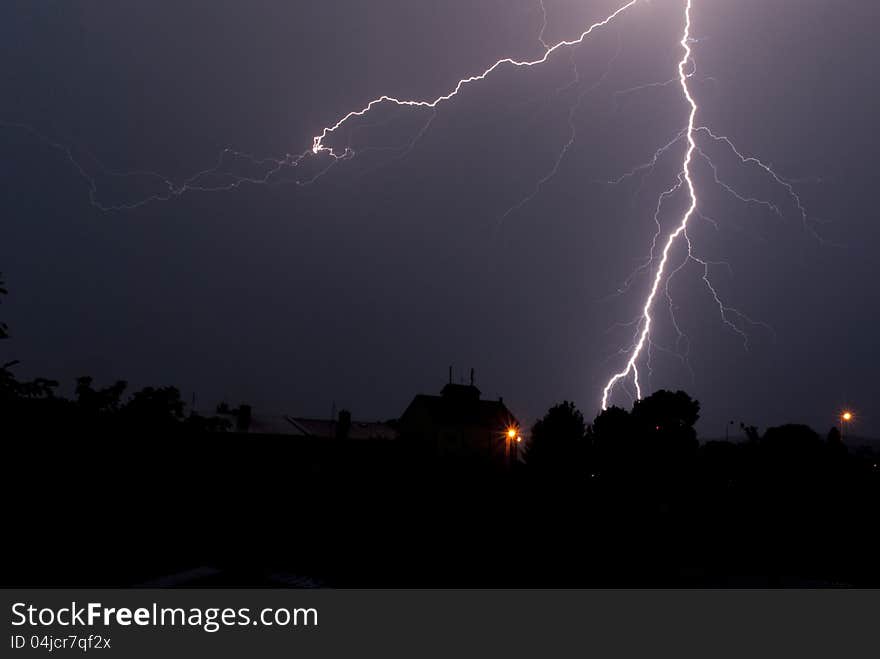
(363, 288)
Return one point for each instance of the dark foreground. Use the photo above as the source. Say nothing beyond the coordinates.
(228, 510)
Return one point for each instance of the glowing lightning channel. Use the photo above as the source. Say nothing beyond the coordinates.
(572, 130)
(543, 26)
(222, 176)
(632, 368)
(219, 178)
(318, 141)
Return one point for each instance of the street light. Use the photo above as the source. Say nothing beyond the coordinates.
(513, 438)
(845, 417)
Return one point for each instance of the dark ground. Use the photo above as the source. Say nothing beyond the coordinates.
(258, 512)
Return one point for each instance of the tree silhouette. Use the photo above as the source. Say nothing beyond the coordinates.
(655, 443)
(96, 401)
(154, 409)
(4, 329)
(751, 432)
(667, 417)
(666, 439)
(612, 424)
(792, 438)
(611, 435)
(558, 440)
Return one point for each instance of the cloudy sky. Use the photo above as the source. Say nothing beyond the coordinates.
(361, 288)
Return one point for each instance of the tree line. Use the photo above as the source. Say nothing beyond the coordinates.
(654, 447)
(36, 405)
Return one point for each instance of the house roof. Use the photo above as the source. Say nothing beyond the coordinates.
(271, 425)
(283, 424)
(326, 429)
(264, 424)
(454, 410)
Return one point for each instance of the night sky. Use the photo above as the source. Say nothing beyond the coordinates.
(360, 289)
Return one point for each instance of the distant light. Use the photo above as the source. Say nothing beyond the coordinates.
(847, 416)
(511, 432)
(519, 438)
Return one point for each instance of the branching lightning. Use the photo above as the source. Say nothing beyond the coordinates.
(733, 318)
(572, 129)
(687, 178)
(318, 145)
(660, 264)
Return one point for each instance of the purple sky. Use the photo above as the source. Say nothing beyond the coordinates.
(361, 289)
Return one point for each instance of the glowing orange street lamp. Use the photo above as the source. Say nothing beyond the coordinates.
(513, 438)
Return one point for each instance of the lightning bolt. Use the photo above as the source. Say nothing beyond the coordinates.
(686, 180)
(222, 176)
(318, 145)
(216, 178)
(572, 130)
(543, 31)
(733, 318)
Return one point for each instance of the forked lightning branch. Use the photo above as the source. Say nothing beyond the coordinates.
(659, 266)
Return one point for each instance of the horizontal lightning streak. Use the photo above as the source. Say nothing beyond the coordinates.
(194, 183)
(318, 142)
(225, 180)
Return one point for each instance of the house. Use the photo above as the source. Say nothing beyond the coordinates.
(459, 425)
